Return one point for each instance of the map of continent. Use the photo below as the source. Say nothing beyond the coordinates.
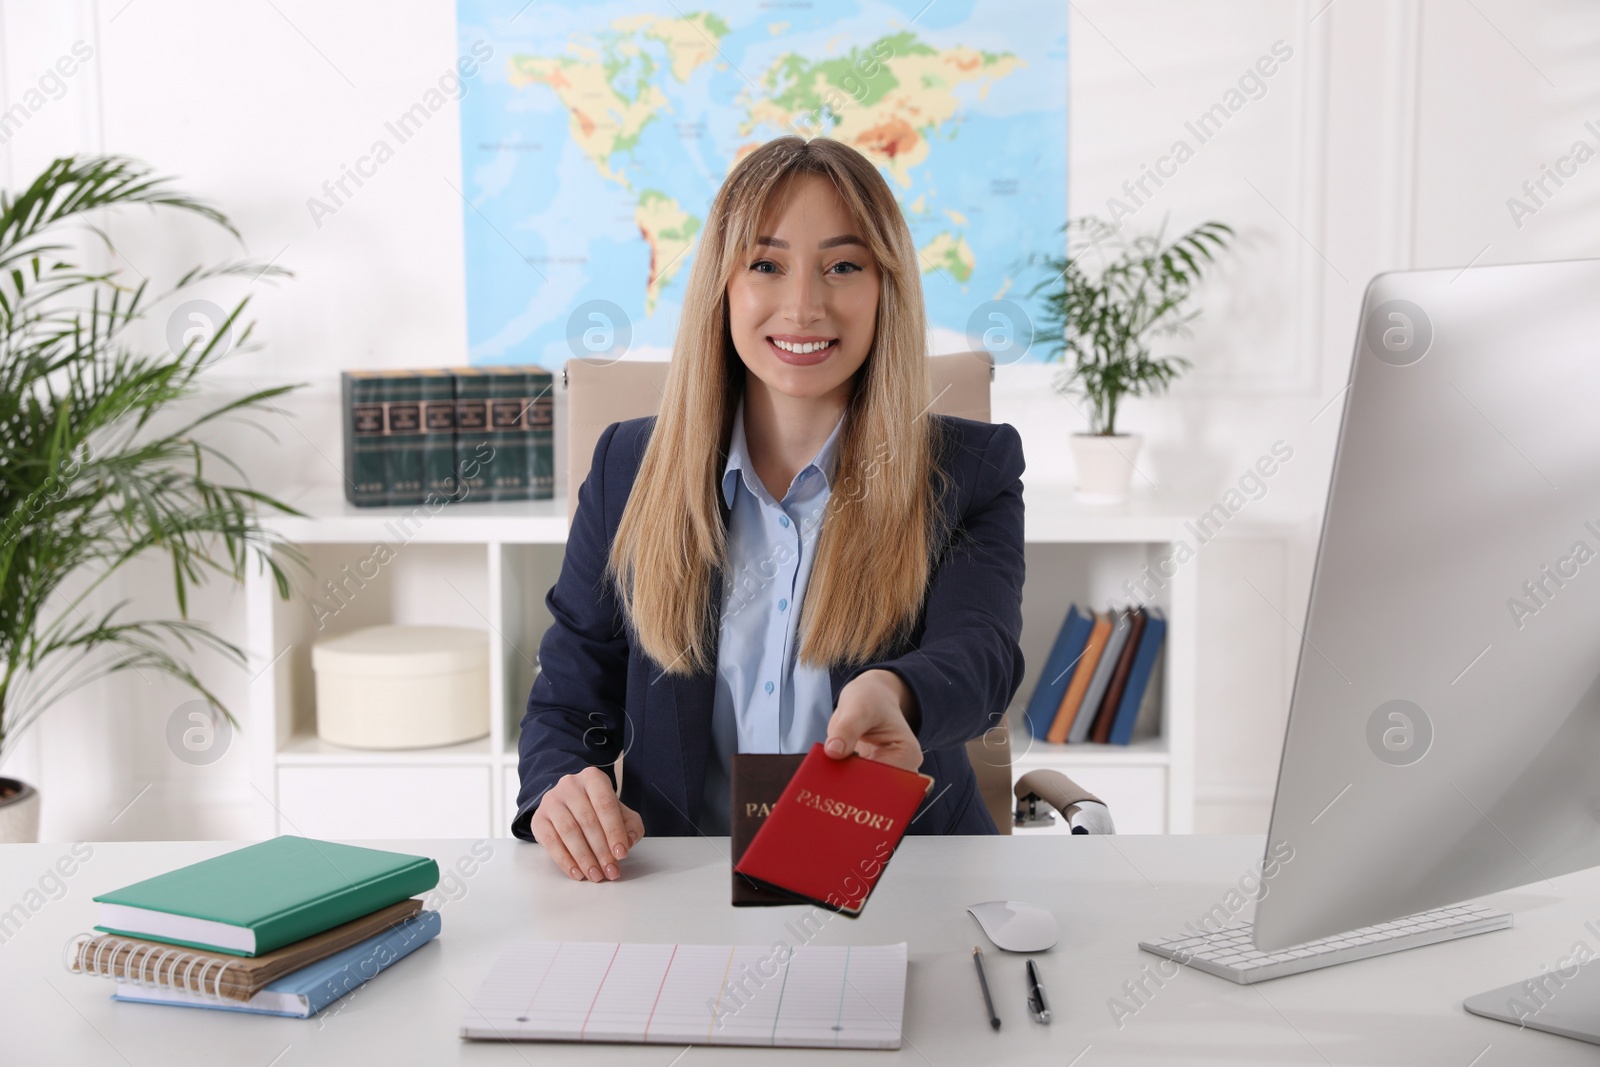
(596, 137)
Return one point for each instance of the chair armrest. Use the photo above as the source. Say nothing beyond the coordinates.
(1085, 813)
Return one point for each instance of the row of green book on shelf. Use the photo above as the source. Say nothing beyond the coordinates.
(1098, 676)
(478, 433)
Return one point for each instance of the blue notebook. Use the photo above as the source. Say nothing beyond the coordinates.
(1057, 672)
(307, 991)
(1144, 662)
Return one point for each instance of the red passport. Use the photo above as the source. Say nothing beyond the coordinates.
(833, 829)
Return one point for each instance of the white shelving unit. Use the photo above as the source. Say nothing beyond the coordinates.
(1085, 555)
(490, 566)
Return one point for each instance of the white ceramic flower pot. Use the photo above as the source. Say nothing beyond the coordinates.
(19, 812)
(1105, 466)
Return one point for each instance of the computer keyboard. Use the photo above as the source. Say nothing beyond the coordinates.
(1228, 953)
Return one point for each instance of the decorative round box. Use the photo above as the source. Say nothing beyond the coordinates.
(402, 686)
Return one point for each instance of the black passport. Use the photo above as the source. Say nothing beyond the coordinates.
(756, 781)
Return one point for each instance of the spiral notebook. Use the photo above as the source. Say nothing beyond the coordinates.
(159, 963)
(812, 996)
(301, 994)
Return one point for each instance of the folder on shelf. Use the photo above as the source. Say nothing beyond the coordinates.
(1073, 698)
(419, 434)
(1057, 672)
(1100, 732)
(1084, 720)
(365, 480)
(1139, 678)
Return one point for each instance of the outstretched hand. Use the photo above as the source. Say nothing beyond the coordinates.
(873, 719)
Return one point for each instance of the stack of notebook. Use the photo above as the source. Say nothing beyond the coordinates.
(1097, 677)
(284, 927)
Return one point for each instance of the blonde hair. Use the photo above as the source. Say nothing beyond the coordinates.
(882, 528)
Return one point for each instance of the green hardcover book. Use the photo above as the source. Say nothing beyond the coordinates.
(438, 434)
(508, 397)
(540, 415)
(475, 455)
(404, 437)
(364, 478)
(264, 896)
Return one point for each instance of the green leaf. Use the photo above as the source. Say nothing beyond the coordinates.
(99, 462)
(1110, 297)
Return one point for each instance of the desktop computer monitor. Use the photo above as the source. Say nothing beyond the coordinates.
(1443, 739)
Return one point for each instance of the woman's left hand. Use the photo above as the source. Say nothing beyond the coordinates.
(873, 719)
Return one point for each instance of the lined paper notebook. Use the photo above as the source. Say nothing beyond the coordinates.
(814, 996)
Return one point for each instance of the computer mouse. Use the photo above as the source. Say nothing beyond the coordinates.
(1015, 926)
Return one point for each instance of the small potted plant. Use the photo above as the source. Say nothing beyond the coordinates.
(102, 459)
(1108, 301)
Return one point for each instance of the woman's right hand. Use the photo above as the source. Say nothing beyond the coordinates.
(584, 828)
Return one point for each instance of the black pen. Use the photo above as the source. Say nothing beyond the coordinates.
(977, 958)
(1036, 1001)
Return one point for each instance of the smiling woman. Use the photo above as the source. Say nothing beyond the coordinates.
(805, 244)
(794, 551)
(807, 300)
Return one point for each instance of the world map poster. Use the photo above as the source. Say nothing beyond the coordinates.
(594, 137)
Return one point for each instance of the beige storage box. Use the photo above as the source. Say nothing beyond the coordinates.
(402, 686)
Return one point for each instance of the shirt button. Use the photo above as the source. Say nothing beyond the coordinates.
(782, 603)
(783, 520)
(769, 687)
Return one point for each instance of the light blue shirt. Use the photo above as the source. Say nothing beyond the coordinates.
(765, 700)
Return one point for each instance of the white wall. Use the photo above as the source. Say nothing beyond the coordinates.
(1391, 138)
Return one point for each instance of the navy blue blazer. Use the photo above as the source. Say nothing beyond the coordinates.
(597, 697)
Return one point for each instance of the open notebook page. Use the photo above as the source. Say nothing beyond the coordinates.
(812, 996)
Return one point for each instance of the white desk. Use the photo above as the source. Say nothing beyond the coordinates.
(1107, 892)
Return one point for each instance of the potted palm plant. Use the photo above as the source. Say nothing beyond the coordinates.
(101, 461)
(1108, 302)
